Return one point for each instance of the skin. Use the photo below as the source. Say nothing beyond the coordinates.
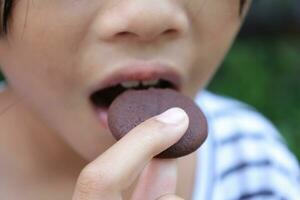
(56, 51)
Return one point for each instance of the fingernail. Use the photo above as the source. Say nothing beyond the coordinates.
(172, 116)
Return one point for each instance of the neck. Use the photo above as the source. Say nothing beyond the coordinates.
(27, 141)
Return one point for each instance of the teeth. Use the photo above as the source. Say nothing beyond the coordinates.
(150, 82)
(130, 84)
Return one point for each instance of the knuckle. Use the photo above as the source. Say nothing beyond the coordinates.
(154, 138)
(154, 147)
(99, 179)
(150, 143)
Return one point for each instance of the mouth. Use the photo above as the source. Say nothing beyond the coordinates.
(118, 83)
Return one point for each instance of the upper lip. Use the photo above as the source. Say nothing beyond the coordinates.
(140, 71)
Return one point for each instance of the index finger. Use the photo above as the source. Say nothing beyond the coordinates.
(120, 165)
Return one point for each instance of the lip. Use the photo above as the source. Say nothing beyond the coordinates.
(140, 71)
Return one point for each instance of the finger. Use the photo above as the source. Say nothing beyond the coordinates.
(169, 197)
(119, 166)
(158, 178)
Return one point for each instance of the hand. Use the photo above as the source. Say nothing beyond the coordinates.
(117, 168)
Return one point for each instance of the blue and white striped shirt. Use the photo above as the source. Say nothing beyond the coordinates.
(244, 156)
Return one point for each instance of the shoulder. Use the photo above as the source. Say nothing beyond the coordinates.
(228, 117)
(248, 151)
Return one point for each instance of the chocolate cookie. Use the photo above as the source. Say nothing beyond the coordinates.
(135, 106)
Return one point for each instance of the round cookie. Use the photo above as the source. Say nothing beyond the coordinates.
(135, 106)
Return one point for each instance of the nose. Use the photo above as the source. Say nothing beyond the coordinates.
(144, 20)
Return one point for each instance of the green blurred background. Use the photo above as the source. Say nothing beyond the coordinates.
(263, 66)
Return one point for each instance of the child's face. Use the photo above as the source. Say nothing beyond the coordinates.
(58, 51)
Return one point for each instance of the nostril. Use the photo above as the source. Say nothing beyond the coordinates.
(123, 33)
(170, 31)
(128, 34)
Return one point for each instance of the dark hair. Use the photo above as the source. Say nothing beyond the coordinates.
(242, 5)
(7, 5)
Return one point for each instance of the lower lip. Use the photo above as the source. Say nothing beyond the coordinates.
(102, 116)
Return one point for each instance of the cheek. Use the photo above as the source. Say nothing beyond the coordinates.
(215, 27)
(45, 37)
(46, 74)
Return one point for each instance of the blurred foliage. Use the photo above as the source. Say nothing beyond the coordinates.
(1, 77)
(264, 72)
(263, 66)
(274, 17)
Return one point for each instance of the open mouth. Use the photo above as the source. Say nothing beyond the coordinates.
(102, 99)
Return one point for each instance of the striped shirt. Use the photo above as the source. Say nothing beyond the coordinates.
(244, 156)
